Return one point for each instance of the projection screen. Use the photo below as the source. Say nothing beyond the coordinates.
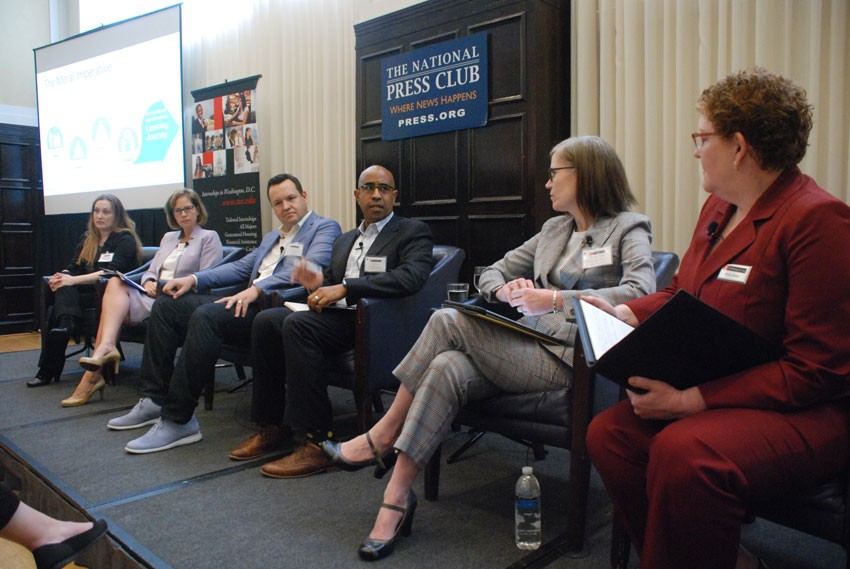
(110, 114)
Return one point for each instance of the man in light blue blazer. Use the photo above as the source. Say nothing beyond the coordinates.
(201, 322)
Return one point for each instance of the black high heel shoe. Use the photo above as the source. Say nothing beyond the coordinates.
(374, 549)
(52, 360)
(57, 555)
(384, 462)
(44, 377)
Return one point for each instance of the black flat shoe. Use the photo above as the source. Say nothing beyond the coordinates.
(57, 555)
(43, 377)
(374, 549)
(384, 463)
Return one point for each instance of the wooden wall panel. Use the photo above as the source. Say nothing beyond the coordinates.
(497, 161)
(490, 236)
(507, 51)
(480, 189)
(20, 207)
(434, 169)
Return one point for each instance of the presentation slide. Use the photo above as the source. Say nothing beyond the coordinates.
(110, 115)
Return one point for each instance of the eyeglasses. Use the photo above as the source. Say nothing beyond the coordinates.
(181, 210)
(552, 171)
(370, 188)
(699, 138)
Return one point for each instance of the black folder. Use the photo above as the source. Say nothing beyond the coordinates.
(684, 343)
(499, 320)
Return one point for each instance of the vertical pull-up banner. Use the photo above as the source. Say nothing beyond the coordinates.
(226, 159)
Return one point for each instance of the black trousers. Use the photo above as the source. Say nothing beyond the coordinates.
(9, 502)
(67, 301)
(200, 326)
(291, 353)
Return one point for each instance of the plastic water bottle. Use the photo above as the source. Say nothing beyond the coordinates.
(527, 511)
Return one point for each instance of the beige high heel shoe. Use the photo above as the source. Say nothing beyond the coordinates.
(84, 392)
(94, 364)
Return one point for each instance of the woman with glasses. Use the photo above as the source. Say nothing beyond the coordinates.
(597, 247)
(769, 250)
(182, 252)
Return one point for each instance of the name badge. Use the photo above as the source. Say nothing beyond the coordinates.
(295, 249)
(105, 257)
(735, 273)
(596, 257)
(375, 265)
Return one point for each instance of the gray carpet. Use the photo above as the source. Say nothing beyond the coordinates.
(192, 507)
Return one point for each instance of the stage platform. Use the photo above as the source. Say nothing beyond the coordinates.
(193, 508)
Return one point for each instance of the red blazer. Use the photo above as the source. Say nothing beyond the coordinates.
(796, 239)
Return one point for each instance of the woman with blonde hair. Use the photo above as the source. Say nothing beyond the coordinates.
(110, 243)
(185, 251)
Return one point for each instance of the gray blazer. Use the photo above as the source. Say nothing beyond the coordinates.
(631, 275)
(203, 251)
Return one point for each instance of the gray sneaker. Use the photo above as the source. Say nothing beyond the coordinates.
(165, 435)
(145, 413)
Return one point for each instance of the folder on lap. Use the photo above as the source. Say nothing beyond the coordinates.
(126, 280)
(684, 343)
(499, 320)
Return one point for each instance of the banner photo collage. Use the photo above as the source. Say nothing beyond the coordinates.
(226, 160)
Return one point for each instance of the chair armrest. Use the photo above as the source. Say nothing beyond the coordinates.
(386, 329)
(226, 290)
(276, 298)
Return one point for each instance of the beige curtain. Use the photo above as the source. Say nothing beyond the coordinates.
(639, 65)
(304, 50)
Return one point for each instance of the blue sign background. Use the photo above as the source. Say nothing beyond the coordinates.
(437, 88)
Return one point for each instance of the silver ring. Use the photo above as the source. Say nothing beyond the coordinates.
(238, 302)
(316, 298)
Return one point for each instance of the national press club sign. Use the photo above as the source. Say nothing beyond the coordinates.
(434, 89)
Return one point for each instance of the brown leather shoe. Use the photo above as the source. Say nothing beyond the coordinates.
(265, 440)
(306, 461)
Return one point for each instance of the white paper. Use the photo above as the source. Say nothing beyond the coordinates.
(604, 329)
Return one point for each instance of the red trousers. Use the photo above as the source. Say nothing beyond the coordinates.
(683, 488)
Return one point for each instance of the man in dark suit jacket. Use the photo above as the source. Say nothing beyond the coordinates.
(386, 256)
(201, 322)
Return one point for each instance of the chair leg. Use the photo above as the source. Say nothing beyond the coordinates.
(363, 403)
(621, 545)
(432, 476)
(474, 437)
(209, 394)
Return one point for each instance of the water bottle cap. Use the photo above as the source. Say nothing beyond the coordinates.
(527, 470)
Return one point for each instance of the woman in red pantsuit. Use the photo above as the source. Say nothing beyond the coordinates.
(770, 251)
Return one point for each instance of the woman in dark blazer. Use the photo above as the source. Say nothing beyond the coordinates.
(769, 250)
(183, 252)
(596, 247)
(110, 243)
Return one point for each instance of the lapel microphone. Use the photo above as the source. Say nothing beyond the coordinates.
(711, 231)
(587, 241)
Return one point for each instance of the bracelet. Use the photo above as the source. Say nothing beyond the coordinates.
(554, 301)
